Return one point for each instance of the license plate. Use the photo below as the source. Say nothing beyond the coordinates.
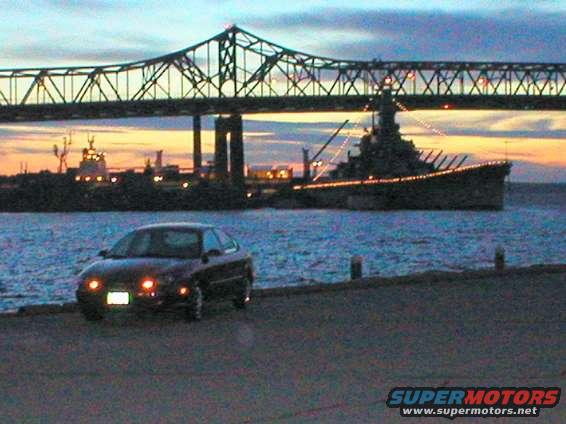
(118, 298)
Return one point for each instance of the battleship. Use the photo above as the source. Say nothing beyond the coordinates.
(388, 173)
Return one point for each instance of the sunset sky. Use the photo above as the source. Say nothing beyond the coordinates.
(86, 32)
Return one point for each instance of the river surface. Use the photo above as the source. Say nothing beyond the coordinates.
(43, 252)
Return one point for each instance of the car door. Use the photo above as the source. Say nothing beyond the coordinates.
(213, 274)
(234, 263)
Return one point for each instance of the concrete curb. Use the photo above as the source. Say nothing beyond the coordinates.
(425, 278)
(428, 277)
(46, 309)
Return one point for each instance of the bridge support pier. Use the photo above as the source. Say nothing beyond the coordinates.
(231, 125)
(237, 152)
(220, 150)
(197, 150)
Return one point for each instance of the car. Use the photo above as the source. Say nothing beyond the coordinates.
(164, 267)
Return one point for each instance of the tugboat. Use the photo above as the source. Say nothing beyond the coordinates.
(93, 166)
(388, 173)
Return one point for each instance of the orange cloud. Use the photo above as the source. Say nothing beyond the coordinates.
(529, 137)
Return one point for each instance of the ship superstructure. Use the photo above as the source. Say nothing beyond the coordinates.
(93, 164)
(383, 151)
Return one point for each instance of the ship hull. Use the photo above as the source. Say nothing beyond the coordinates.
(473, 187)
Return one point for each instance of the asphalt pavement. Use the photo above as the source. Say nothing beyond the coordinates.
(326, 357)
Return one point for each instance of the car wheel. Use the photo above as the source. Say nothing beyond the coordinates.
(193, 311)
(90, 313)
(140, 313)
(245, 293)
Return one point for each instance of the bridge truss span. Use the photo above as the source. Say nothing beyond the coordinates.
(238, 72)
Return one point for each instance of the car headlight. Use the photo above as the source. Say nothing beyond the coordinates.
(93, 284)
(149, 284)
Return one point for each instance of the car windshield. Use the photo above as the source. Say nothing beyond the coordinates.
(159, 243)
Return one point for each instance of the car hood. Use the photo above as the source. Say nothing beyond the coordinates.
(130, 271)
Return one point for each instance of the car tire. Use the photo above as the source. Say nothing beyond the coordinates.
(244, 294)
(141, 313)
(90, 313)
(193, 311)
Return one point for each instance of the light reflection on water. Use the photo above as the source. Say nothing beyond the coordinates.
(42, 252)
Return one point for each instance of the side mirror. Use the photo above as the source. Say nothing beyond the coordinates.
(211, 253)
(103, 253)
(214, 252)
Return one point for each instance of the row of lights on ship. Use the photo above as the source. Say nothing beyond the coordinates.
(114, 180)
(372, 180)
(277, 174)
(159, 178)
(97, 179)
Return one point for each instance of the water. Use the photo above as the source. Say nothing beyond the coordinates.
(43, 252)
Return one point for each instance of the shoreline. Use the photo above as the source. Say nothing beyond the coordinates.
(370, 282)
(211, 198)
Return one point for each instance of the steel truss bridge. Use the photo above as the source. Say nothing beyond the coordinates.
(236, 72)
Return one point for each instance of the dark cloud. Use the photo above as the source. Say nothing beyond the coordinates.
(311, 133)
(53, 53)
(498, 35)
(69, 6)
(529, 171)
(136, 39)
(15, 134)
(125, 143)
(102, 47)
(479, 132)
(77, 6)
(32, 150)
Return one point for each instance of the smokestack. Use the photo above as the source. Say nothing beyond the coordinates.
(158, 160)
(306, 165)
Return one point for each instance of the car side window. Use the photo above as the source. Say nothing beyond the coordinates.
(229, 245)
(140, 244)
(210, 242)
(122, 247)
(181, 243)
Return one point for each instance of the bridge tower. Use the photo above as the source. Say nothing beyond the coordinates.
(227, 69)
(231, 127)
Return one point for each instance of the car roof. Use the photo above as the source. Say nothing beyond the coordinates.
(176, 225)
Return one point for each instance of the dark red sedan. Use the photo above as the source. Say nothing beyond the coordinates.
(165, 266)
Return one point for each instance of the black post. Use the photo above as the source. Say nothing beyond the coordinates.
(356, 267)
(197, 151)
(499, 258)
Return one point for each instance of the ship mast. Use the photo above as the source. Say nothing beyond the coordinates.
(62, 154)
